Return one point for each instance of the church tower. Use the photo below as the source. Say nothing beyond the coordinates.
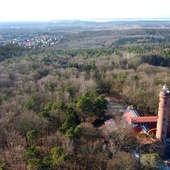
(163, 111)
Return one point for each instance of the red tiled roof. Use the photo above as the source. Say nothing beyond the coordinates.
(144, 119)
(137, 129)
(128, 114)
(131, 116)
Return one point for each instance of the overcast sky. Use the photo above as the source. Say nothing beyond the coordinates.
(31, 10)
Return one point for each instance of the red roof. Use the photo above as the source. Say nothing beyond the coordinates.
(131, 116)
(144, 119)
(137, 129)
(128, 114)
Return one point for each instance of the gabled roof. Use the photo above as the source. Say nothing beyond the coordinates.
(145, 119)
(131, 116)
(128, 114)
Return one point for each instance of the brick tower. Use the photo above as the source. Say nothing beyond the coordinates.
(163, 111)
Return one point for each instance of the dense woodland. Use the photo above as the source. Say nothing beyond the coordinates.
(49, 98)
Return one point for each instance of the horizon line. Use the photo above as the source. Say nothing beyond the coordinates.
(95, 19)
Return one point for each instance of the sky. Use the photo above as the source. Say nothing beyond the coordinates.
(45, 10)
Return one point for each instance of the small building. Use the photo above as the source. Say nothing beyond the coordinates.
(159, 123)
(131, 117)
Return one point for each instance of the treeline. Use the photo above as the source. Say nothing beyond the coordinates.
(11, 50)
(136, 40)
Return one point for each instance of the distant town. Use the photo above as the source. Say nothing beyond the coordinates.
(30, 40)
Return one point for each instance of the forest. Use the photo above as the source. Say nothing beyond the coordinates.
(50, 97)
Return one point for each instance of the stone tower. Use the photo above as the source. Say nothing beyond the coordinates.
(163, 111)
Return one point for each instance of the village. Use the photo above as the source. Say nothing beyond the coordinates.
(32, 41)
